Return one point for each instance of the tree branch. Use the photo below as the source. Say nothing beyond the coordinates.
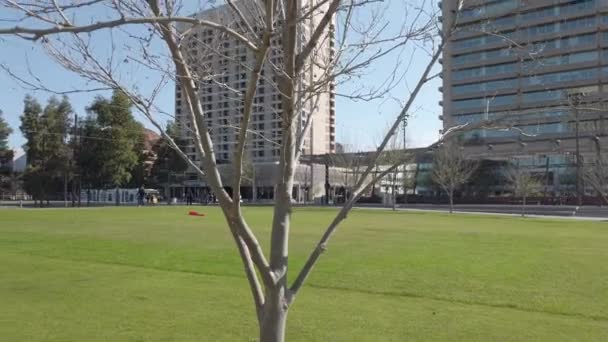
(37, 33)
(254, 283)
(321, 245)
(252, 87)
(319, 30)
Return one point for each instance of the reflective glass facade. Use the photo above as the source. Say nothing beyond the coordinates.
(521, 61)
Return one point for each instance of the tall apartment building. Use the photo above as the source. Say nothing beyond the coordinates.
(542, 65)
(229, 62)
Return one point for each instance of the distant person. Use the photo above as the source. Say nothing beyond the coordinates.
(141, 193)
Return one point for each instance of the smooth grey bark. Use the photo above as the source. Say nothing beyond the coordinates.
(273, 320)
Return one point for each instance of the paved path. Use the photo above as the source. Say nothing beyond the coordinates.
(569, 212)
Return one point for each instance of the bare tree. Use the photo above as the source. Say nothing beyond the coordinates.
(596, 175)
(155, 37)
(349, 166)
(523, 184)
(408, 180)
(574, 102)
(451, 169)
(397, 156)
(250, 176)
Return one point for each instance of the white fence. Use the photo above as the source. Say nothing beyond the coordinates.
(128, 196)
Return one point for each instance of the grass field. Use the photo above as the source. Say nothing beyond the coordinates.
(156, 274)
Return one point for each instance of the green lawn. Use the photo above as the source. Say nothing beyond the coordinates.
(156, 274)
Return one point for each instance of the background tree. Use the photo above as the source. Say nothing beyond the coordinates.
(523, 184)
(56, 124)
(141, 172)
(451, 169)
(249, 175)
(6, 156)
(46, 133)
(596, 175)
(30, 129)
(88, 159)
(350, 163)
(408, 179)
(119, 139)
(168, 162)
(395, 155)
(5, 132)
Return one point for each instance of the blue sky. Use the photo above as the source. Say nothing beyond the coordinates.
(358, 123)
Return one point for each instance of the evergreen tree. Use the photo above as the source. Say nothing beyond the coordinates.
(46, 133)
(5, 131)
(6, 157)
(33, 179)
(30, 128)
(118, 136)
(89, 147)
(140, 174)
(56, 124)
(168, 163)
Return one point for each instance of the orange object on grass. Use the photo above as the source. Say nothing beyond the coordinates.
(194, 213)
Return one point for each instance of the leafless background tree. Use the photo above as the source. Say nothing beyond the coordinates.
(113, 44)
(451, 169)
(596, 175)
(349, 166)
(523, 184)
(249, 174)
(395, 155)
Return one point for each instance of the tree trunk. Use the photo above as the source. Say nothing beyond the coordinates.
(451, 195)
(394, 198)
(65, 189)
(79, 192)
(254, 190)
(273, 320)
(523, 207)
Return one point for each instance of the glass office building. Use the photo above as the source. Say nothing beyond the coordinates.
(539, 65)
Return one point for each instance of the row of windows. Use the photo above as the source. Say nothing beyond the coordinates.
(485, 70)
(485, 86)
(501, 100)
(564, 76)
(532, 49)
(535, 114)
(538, 129)
(236, 101)
(522, 35)
(526, 98)
(546, 79)
(496, 8)
(255, 108)
(573, 58)
(529, 66)
(534, 129)
(548, 12)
